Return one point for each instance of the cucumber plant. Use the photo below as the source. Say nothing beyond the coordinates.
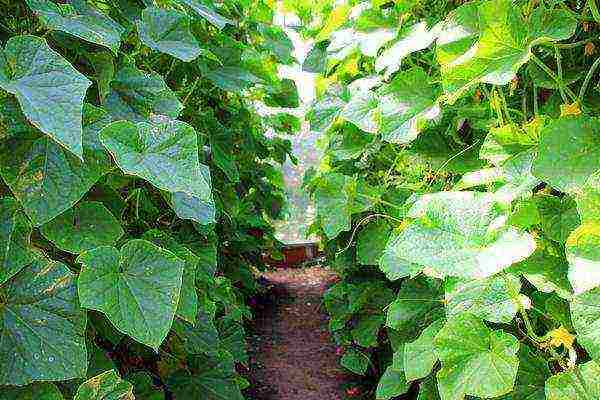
(458, 193)
(136, 193)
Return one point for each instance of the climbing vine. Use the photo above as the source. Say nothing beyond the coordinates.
(136, 193)
(458, 196)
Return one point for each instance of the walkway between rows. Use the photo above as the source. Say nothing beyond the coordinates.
(292, 354)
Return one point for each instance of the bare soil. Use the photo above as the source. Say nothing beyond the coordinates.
(292, 356)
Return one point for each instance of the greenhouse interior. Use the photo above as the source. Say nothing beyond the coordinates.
(299, 199)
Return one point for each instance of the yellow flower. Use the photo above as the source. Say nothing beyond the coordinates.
(561, 337)
(570, 109)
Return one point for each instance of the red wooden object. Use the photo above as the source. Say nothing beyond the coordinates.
(294, 255)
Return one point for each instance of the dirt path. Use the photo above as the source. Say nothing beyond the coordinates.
(292, 355)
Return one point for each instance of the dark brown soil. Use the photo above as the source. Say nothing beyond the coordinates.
(292, 356)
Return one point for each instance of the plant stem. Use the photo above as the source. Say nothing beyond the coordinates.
(560, 74)
(552, 75)
(588, 78)
(594, 10)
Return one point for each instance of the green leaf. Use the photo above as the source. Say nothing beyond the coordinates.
(588, 200)
(137, 288)
(393, 264)
(106, 386)
(371, 242)
(79, 19)
(362, 111)
(418, 304)
(15, 233)
(324, 112)
(214, 381)
(207, 13)
(165, 153)
(331, 204)
(489, 299)
(413, 39)
(583, 254)
(393, 381)
(531, 377)
(316, 59)
(546, 271)
(232, 79)
(135, 96)
(276, 41)
(46, 178)
(420, 355)
(568, 385)
(50, 91)
(365, 332)
(567, 161)
(489, 41)
(405, 104)
(559, 216)
(460, 234)
(504, 142)
(355, 361)
(38, 391)
(476, 361)
(284, 94)
(42, 328)
(168, 31)
(585, 314)
(188, 298)
(84, 227)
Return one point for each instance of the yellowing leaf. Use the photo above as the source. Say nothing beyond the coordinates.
(338, 16)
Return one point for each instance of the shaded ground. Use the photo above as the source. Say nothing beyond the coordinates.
(292, 356)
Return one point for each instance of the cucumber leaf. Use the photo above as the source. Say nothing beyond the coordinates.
(48, 88)
(137, 288)
(42, 326)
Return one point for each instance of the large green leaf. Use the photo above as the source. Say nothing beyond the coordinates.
(476, 361)
(165, 153)
(37, 391)
(15, 232)
(106, 386)
(362, 110)
(575, 385)
(84, 227)
(546, 271)
(583, 254)
(460, 234)
(79, 19)
(276, 41)
(207, 13)
(46, 178)
(42, 328)
(415, 38)
(168, 31)
(355, 361)
(421, 355)
(135, 96)
(585, 313)
(405, 104)
(531, 377)
(489, 41)
(214, 381)
(489, 299)
(188, 298)
(418, 304)
(567, 161)
(50, 91)
(588, 200)
(371, 241)
(137, 288)
(393, 381)
(559, 216)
